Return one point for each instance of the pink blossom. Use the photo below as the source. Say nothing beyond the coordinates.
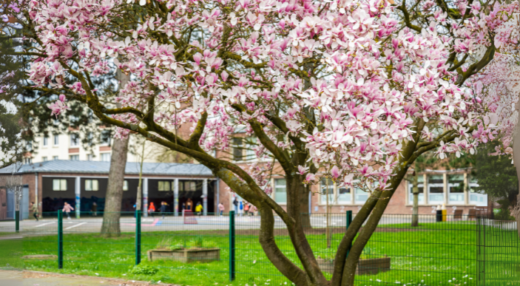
(58, 107)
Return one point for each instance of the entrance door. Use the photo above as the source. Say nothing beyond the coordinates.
(10, 205)
(3, 204)
(24, 208)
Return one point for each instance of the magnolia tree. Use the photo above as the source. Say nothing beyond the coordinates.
(350, 90)
(498, 88)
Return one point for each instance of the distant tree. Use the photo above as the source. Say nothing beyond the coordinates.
(497, 177)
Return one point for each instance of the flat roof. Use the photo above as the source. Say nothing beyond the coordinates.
(98, 167)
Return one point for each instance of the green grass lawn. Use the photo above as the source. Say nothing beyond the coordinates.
(11, 251)
(434, 254)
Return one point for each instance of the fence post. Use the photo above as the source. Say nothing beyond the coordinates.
(60, 239)
(232, 245)
(17, 221)
(137, 237)
(349, 221)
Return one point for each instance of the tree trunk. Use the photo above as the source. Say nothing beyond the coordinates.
(114, 197)
(329, 237)
(140, 186)
(116, 177)
(516, 161)
(305, 208)
(415, 215)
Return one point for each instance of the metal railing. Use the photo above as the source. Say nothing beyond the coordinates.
(446, 250)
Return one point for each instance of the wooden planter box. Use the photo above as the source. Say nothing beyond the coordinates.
(185, 255)
(365, 266)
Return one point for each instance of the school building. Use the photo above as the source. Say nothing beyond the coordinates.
(81, 183)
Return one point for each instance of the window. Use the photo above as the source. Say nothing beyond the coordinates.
(45, 141)
(360, 196)
(74, 157)
(28, 160)
(420, 186)
(344, 196)
(44, 159)
(436, 189)
(59, 185)
(189, 186)
(238, 149)
(250, 149)
(56, 140)
(280, 191)
(125, 185)
(456, 189)
(28, 146)
(164, 186)
(55, 158)
(90, 157)
(105, 157)
(74, 140)
(105, 137)
(325, 189)
(91, 185)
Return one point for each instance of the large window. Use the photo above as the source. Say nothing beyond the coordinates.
(327, 186)
(344, 196)
(456, 189)
(251, 144)
(280, 191)
(164, 186)
(56, 140)
(74, 140)
(74, 157)
(420, 186)
(436, 189)
(91, 185)
(238, 149)
(59, 185)
(105, 157)
(360, 196)
(45, 141)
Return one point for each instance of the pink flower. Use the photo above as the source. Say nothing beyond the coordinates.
(197, 57)
(310, 178)
(58, 107)
(335, 172)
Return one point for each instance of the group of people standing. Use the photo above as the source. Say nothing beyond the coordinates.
(162, 209)
(243, 207)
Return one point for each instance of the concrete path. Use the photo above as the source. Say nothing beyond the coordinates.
(32, 278)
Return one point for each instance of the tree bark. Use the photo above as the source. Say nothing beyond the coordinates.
(305, 208)
(516, 160)
(140, 186)
(415, 215)
(112, 213)
(116, 177)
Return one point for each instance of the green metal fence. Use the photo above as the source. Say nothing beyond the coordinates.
(498, 253)
(458, 251)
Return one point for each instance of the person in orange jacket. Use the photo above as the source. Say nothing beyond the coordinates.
(151, 209)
